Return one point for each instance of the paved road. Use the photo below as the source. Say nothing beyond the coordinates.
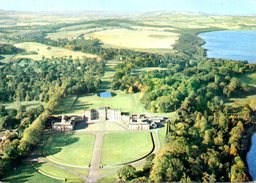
(96, 157)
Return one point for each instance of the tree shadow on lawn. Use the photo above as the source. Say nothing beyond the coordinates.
(24, 173)
(243, 95)
(14, 176)
(248, 80)
(105, 85)
(109, 69)
(51, 144)
(54, 143)
(81, 106)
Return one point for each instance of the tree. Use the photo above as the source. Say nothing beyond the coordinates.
(5, 165)
(3, 111)
(127, 173)
(149, 163)
(238, 169)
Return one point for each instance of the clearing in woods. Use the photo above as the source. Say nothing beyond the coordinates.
(41, 50)
(140, 39)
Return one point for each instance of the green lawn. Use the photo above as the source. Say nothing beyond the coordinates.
(249, 79)
(112, 178)
(66, 105)
(58, 172)
(243, 98)
(27, 173)
(28, 104)
(137, 71)
(68, 148)
(162, 134)
(125, 147)
(125, 102)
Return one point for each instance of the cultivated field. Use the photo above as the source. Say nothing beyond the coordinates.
(197, 21)
(125, 147)
(140, 39)
(49, 51)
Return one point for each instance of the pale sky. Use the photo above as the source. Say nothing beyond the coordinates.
(227, 7)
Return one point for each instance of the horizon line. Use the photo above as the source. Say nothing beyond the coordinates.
(122, 12)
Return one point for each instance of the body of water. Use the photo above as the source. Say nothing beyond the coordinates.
(251, 158)
(105, 94)
(235, 45)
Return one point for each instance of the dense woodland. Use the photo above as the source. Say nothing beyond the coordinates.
(7, 49)
(200, 147)
(28, 129)
(47, 81)
(203, 143)
(193, 83)
(27, 80)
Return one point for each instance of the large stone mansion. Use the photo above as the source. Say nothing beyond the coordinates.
(134, 122)
(64, 124)
(103, 114)
(144, 122)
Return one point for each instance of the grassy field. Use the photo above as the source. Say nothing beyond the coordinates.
(7, 58)
(53, 170)
(71, 34)
(196, 21)
(144, 39)
(249, 79)
(89, 101)
(106, 127)
(28, 104)
(78, 27)
(108, 179)
(242, 100)
(125, 102)
(146, 69)
(125, 147)
(27, 173)
(66, 105)
(109, 175)
(49, 51)
(74, 149)
(162, 134)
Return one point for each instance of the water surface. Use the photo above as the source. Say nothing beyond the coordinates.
(236, 45)
(105, 94)
(251, 158)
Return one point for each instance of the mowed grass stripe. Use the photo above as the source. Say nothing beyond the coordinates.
(58, 172)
